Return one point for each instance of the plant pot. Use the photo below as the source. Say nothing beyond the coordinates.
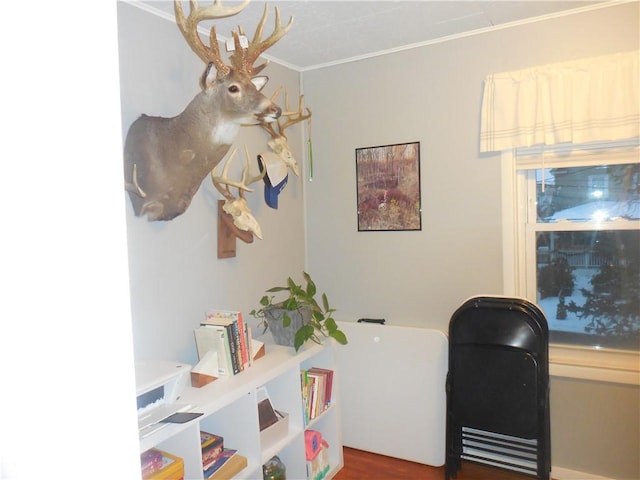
(285, 335)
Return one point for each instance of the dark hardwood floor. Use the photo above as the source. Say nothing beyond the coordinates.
(360, 465)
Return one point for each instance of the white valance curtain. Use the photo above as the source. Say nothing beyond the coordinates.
(589, 100)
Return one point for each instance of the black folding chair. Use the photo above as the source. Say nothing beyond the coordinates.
(498, 387)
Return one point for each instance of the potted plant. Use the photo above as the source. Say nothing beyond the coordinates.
(299, 317)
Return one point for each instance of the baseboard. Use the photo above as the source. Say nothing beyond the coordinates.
(560, 473)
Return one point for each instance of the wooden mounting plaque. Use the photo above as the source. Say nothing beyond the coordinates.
(228, 232)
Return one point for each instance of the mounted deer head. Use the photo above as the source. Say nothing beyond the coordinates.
(237, 207)
(278, 143)
(166, 159)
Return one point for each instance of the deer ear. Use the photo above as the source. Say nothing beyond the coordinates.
(209, 76)
(260, 82)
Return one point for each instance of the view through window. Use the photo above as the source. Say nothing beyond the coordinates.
(582, 242)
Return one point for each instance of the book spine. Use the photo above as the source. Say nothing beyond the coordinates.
(211, 446)
(151, 462)
(219, 462)
(224, 341)
(232, 349)
(209, 439)
(242, 335)
(327, 383)
(236, 338)
(321, 396)
(172, 469)
(250, 351)
(210, 456)
(313, 411)
(329, 386)
(306, 395)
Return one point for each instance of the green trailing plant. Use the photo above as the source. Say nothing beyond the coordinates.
(320, 324)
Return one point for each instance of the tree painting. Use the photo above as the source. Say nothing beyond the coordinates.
(388, 180)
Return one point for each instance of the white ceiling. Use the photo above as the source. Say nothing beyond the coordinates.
(328, 32)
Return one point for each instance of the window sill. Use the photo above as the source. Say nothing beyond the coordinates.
(598, 364)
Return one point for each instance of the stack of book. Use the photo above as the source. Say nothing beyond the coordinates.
(219, 462)
(212, 446)
(226, 333)
(317, 385)
(159, 465)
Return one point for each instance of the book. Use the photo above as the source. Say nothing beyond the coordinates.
(150, 461)
(328, 384)
(232, 347)
(314, 380)
(214, 337)
(237, 348)
(244, 348)
(216, 317)
(307, 386)
(230, 468)
(317, 386)
(172, 469)
(228, 319)
(220, 460)
(239, 335)
(208, 440)
(211, 446)
(250, 343)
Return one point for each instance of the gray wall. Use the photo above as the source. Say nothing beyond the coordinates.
(595, 427)
(433, 95)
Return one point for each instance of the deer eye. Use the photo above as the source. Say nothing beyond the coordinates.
(234, 89)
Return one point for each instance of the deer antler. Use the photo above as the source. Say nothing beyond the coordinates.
(189, 28)
(243, 59)
(292, 117)
(237, 207)
(278, 143)
(242, 185)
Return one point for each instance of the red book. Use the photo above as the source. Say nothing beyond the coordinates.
(244, 349)
(328, 387)
(219, 462)
(150, 461)
(212, 446)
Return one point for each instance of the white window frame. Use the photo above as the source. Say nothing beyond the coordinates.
(590, 363)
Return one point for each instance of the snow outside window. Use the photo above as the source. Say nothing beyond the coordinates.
(572, 246)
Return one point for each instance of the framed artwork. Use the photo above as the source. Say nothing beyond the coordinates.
(388, 183)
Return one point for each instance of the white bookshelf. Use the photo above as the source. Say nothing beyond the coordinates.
(229, 408)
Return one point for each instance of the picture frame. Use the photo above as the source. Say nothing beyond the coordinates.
(388, 187)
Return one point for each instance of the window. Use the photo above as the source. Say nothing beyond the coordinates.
(574, 234)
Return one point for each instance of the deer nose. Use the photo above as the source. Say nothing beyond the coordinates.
(275, 111)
